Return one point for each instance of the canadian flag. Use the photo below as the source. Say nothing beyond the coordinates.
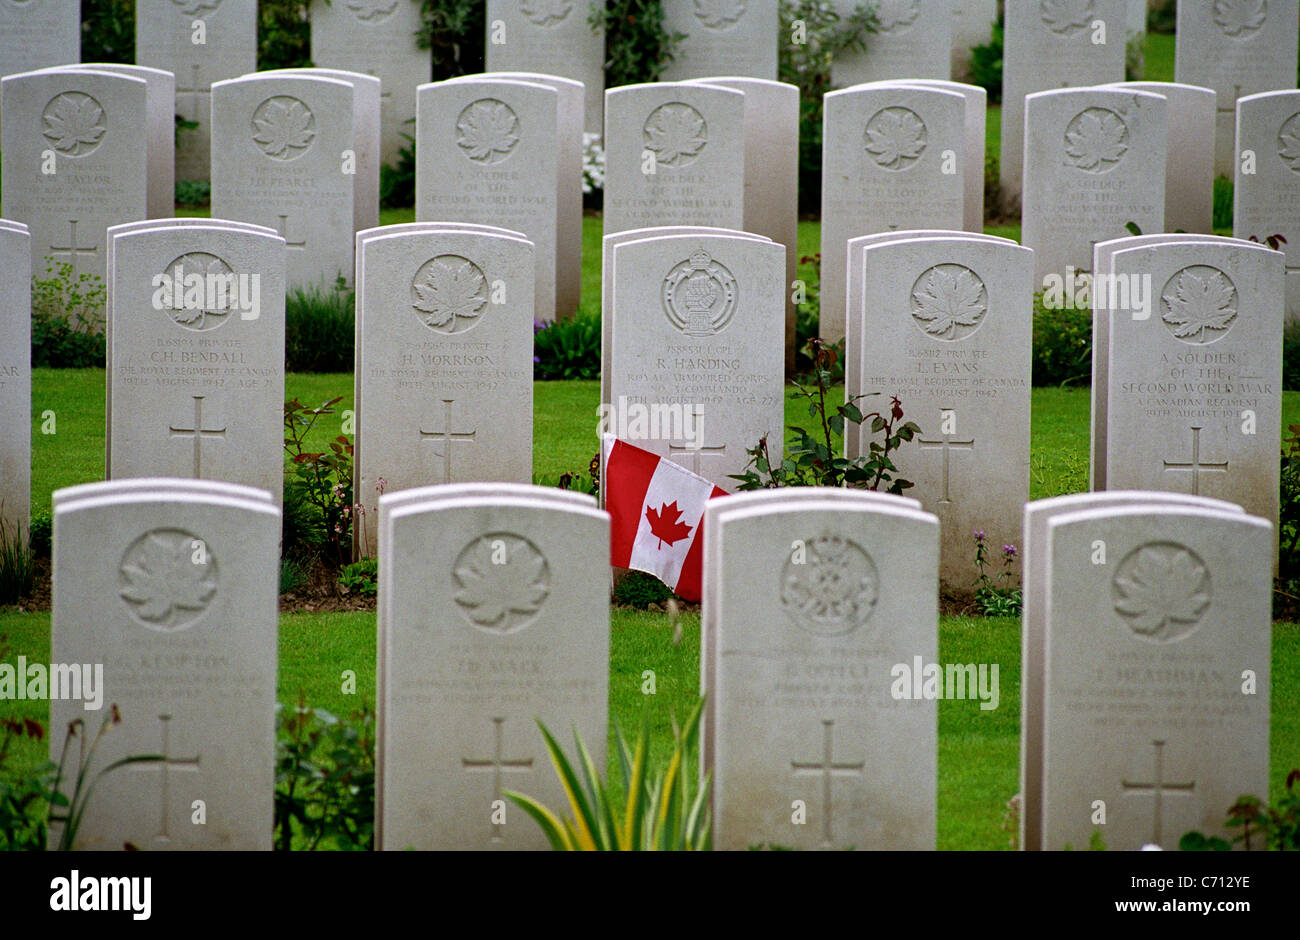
(656, 508)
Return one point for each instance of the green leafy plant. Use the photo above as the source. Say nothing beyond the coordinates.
(454, 31)
(637, 43)
(397, 181)
(1289, 510)
(40, 537)
(360, 578)
(67, 318)
(1275, 827)
(1162, 17)
(567, 349)
(323, 478)
(995, 595)
(1222, 211)
(283, 34)
(638, 590)
(193, 194)
(17, 572)
(1291, 357)
(808, 314)
(654, 810)
(320, 328)
(108, 31)
(294, 573)
(1062, 345)
(324, 780)
(23, 800)
(985, 67)
(812, 461)
(992, 188)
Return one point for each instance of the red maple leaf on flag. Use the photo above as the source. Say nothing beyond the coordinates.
(666, 524)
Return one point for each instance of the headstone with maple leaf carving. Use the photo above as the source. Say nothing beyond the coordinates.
(490, 153)
(1194, 401)
(1238, 48)
(1267, 201)
(278, 150)
(913, 39)
(196, 388)
(722, 37)
(1053, 44)
(492, 622)
(1094, 162)
(377, 37)
(167, 34)
(445, 366)
(945, 325)
(1034, 630)
(39, 36)
(173, 589)
(1156, 680)
(812, 603)
(85, 127)
(886, 155)
(674, 155)
(15, 376)
(552, 36)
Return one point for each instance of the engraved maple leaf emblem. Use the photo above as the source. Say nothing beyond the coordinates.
(282, 127)
(1064, 16)
(197, 7)
(1096, 140)
(1290, 141)
(487, 128)
(502, 580)
(666, 523)
(676, 134)
(716, 14)
(1162, 591)
(162, 580)
(947, 300)
(205, 265)
(74, 123)
(895, 137)
(1199, 303)
(546, 12)
(1240, 16)
(891, 14)
(450, 288)
(370, 9)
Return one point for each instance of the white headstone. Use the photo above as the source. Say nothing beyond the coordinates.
(554, 36)
(200, 42)
(72, 161)
(522, 637)
(972, 25)
(279, 147)
(732, 37)
(376, 37)
(674, 155)
(38, 36)
(1051, 44)
(913, 39)
(891, 160)
(817, 603)
(1267, 201)
(972, 159)
(198, 389)
(15, 377)
(1238, 48)
(174, 592)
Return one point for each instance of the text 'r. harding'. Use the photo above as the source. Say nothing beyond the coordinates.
(58, 681)
(922, 680)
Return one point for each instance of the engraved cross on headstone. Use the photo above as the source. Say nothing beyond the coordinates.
(947, 443)
(71, 249)
(164, 768)
(283, 230)
(448, 437)
(696, 451)
(1196, 466)
(1157, 788)
(497, 765)
(198, 432)
(827, 769)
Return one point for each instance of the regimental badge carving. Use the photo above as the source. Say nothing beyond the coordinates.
(487, 131)
(1288, 143)
(676, 134)
(895, 137)
(700, 295)
(212, 271)
(1068, 16)
(74, 123)
(283, 127)
(167, 579)
(1199, 305)
(1240, 18)
(719, 14)
(949, 302)
(449, 293)
(372, 11)
(894, 16)
(547, 12)
(502, 580)
(196, 8)
(1161, 590)
(1096, 140)
(831, 587)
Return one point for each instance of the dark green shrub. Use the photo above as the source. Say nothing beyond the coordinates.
(455, 32)
(1289, 514)
(567, 349)
(23, 798)
(1291, 357)
(1062, 345)
(639, 590)
(324, 780)
(1222, 203)
(320, 328)
(637, 44)
(986, 64)
(1163, 17)
(397, 181)
(361, 578)
(283, 34)
(992, 187)
(108, 31)
(17, 575)
(193, 194)
(67, 319)
(41, 535)
(321, 479)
